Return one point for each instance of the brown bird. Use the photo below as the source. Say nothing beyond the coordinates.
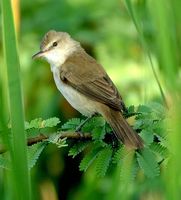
(85, 84)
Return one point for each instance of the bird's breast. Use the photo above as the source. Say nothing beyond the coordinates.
(77, 100)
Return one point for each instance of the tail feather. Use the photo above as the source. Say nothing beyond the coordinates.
(123, 130)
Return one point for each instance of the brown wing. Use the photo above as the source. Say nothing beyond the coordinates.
(90, 79)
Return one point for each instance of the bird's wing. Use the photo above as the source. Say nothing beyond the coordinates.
(91, 81)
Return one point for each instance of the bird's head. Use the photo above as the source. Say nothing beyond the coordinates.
(56, 47)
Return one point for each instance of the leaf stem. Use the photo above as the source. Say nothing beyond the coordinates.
(61, 135)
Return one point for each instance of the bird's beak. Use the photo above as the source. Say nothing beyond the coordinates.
(38, 55)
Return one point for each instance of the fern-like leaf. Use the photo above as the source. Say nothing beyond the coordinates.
(103, 161)
(93, 123)
(39, 123)
(34, 153)
(158, 109)
(98, 133)
(147, 162)
(78, 148)
(72, 124)
(147, 136)
(128, 168)
(118, 154)
(88, 159)
(51, 122)
(159, 149)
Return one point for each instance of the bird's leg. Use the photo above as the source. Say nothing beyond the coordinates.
(83, 123)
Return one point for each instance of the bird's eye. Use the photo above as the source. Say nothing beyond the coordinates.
(55, 44)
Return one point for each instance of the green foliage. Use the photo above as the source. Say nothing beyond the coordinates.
(148, 163)
(160, 150)
(35, 126)
(78, 148)
(72, 124)
(147, 136)
(96, 126)
(148, 122)
(103, 151)
(89, 158)
(55, 139)
(34, 152)
(103, 154)
(98, 133)
(39, 123)
(128, 168)
(103, 161)
(94, 122)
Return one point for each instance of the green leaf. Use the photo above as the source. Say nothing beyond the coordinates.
(34, 152)
(72, 124)
(131, 109)
(88, 159)
(158, 109)
(163, 140)
(39, 123)
(130, 112)
(35, 123)
(108, 129)
(51, 122)
(143, 109)
(78, 147)
(55, 139)
(144, 121)
(4, 162)
(147, 136)
(18, 153)
(103, 161)
(98, 133)
(128, 168)
(138, 124)
(147, 162)
(93, 123)
(118, 155)
(159, 149)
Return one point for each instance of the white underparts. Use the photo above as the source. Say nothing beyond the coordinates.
(77, 100)
(56, 57)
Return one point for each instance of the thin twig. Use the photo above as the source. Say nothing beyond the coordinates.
(34, 140)
(61, 135)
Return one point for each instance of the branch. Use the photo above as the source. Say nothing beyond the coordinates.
(34, 140)
(61, 135)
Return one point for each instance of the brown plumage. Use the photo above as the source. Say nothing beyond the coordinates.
(100, 88)
(85, 84)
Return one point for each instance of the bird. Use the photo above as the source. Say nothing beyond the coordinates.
(85, 84)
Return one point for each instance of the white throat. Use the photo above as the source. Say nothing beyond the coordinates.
(56, 57)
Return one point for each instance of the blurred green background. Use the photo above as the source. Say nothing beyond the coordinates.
(106, 31)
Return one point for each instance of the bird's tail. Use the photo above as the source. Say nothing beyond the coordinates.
(123, 130)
